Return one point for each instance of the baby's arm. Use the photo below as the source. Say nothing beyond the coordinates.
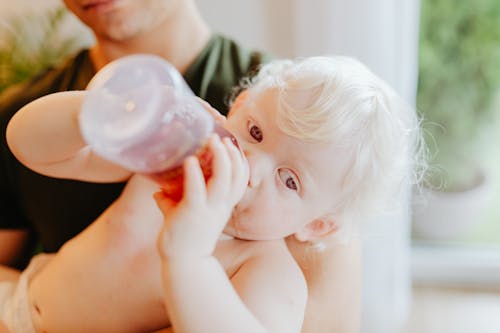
(273, 288)
(267, 294)
(45, 136)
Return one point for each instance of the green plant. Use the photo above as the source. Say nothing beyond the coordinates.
(459, 79)
(33, 42)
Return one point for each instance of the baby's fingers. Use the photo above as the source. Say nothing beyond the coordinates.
(163, 202)
(219, 182)
(195, 192)
(240, 171)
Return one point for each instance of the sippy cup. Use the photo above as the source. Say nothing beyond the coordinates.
(140, 113)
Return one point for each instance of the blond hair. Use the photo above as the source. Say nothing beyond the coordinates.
(349, 105)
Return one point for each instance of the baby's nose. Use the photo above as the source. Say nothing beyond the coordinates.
(260, 167)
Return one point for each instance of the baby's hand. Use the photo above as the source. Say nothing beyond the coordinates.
(193, 225)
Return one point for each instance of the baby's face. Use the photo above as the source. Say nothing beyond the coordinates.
(292, 182)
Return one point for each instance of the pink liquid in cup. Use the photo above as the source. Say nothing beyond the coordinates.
(140, 114)
(171, 180)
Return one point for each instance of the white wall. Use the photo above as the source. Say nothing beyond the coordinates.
(381, 33)
(262, 24)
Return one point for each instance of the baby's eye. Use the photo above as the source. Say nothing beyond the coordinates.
(255, 132)
(289, 179)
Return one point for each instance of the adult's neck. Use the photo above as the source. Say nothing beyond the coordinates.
(178, 39)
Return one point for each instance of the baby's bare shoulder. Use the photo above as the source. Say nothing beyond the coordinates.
(273, 257)
(272, 285)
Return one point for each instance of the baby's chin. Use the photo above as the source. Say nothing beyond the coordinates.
(235, 233)
(243, 225)
(232, 230)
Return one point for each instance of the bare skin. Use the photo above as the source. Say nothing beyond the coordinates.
(155, 27)
(120, 243)
(333, 303)
(120, 246)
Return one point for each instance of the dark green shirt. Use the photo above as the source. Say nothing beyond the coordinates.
(55, 210)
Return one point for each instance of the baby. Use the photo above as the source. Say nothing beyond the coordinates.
(323, 143)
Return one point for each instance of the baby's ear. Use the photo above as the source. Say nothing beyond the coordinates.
(317, 229)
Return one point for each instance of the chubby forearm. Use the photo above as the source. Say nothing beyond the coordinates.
(46, 130)
(45, 136)
(200, 298)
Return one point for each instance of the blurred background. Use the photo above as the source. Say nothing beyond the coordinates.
(436, 269)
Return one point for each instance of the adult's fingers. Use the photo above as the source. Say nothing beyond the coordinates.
(219, 182)
(194, 183)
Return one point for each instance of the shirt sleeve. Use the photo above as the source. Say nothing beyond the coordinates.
(74, 74)
(11, 217)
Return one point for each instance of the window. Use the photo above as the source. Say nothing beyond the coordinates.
(456, 225)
